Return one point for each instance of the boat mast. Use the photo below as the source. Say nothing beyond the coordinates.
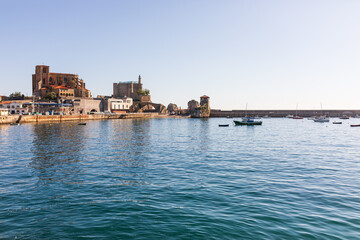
(246, 110)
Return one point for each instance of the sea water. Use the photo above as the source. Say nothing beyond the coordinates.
(180, 179)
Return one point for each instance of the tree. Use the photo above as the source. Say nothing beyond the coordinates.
(51, 96)
(144, 92)
(15, 95)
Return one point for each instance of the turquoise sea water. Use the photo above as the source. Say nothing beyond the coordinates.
(180, 179)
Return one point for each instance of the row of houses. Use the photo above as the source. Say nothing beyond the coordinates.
(12, 107)
(68, 106)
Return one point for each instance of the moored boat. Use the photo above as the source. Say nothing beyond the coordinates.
(223, 125)
(355, 125)
(247, 121)
(14, 124)
(322, 119)
(297, 117)
(82, 124)
(337, 122)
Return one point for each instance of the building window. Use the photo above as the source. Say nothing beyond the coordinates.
(65, 79)
(44, 70)
(43, 80)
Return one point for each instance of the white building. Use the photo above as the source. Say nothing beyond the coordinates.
(14, 107)
(4, 112)
(120, 104)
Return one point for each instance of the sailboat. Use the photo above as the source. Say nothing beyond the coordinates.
(249, 121)
(322, 118)
(296, 115)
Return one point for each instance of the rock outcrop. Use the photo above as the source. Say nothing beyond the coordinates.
(172, 107)
(192, 106)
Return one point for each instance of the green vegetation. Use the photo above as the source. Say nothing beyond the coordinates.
(15, 95)
(51, 96)
(145, 92)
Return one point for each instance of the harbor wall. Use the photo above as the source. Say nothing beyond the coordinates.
(283, 113)
(55, 118)
(84, 117)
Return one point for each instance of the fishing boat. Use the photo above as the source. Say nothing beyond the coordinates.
(82, 124)
(247, 121)
(322, 119)
(337, 122)
(223, 125)
(14, 124)
(356, 125)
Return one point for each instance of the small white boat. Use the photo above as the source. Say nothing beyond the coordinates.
(290, 116)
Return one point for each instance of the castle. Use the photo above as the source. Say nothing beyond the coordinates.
(131, 89)
(64, 85)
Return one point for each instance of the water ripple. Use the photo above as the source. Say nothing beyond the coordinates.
(179, 179)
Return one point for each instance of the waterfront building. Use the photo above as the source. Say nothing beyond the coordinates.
(83, 105)
(48, 108)
(116, 105)
(120, 105)
(63, 84)
(66, 106)
(131, 89)
(14, 107)
(4, 112)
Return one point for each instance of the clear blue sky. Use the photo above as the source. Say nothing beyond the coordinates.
(269, 54)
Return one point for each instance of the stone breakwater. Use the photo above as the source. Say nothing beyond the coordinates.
(60, 118)
(283, 113)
